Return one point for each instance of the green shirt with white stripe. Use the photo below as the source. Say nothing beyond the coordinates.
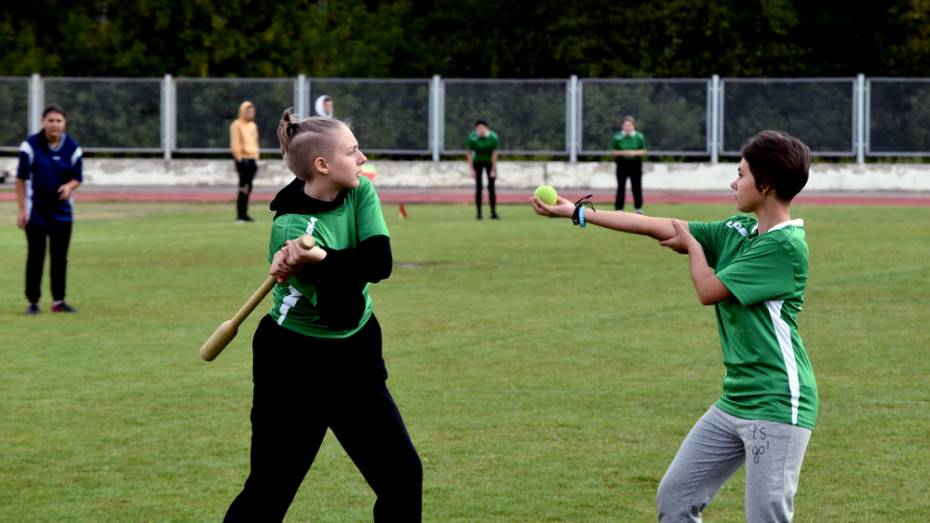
(769, 376)
(355, 220)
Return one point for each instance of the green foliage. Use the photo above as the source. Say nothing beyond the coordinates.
(465, 38)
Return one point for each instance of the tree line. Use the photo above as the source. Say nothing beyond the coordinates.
(465, 38)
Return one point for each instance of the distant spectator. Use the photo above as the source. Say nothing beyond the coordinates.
(482, 157)
(629, 148)
(324, 106)
(50, 169)
(243, 140)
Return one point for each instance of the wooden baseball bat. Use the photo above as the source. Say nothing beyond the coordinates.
(228, 329)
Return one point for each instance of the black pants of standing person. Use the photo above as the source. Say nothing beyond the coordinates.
(246, 170)
(304, 385)
(485, 167)
(58, 237)
(632, 169)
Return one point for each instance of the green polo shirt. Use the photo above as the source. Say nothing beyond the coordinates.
(357, 219)
(633, 142)
(769, 375)
(482, 147)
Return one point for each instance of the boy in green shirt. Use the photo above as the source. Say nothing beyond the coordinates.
(754, 272)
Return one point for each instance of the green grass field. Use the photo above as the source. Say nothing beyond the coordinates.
(546, 373)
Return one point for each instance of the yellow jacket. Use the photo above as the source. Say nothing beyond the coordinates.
(243, 136)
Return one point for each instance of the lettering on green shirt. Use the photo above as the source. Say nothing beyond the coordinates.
(768, 373)
(482, 147)
(357, 219)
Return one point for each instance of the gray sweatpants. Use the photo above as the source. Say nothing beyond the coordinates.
(717, 446)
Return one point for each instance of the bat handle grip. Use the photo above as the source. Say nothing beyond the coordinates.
(253, 301)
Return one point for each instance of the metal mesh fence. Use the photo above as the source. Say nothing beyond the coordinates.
(387, 116)
(898, 117)
(528, 115)
(14, 106)
(818, 111)
(110, 113)
(532, 117)
(206, 108)
(673, 114)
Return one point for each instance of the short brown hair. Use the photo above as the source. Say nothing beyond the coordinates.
(778, 161)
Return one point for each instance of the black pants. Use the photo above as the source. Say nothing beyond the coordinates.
(479, 181)
(58, 237)
(302, 386)
(632, 169)
(246, 170)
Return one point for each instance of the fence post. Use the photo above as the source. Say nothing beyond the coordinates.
(860, 118)
(715, 123)
(572, 117)
(167, 116)
(435, 117)
(35, 102)
(301, 95)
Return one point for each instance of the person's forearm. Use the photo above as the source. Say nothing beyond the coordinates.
(658, 228)
(72, 185)
(21, 194)
(710, 289)
(494, 160)
(638, 152)
(468, 158)
(371, 261)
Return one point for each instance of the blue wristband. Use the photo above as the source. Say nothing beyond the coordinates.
(581, 216)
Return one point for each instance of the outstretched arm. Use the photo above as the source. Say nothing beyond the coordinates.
(710, 289)
(658, 228)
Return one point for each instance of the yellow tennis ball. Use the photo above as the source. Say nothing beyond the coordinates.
(547, 194)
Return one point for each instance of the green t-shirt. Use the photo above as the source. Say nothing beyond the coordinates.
(769, 375)
(357, 219)
(482, 147)
(633, 142)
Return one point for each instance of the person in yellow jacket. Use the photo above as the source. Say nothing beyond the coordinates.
(243, 141)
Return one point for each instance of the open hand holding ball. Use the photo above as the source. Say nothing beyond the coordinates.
(547, 194)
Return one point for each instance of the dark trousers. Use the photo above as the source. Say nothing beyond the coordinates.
(302, 386)
(632, 169)
(246, 170)
(479, 181)
(58, 237)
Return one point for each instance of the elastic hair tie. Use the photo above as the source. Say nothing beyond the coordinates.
(578, 215)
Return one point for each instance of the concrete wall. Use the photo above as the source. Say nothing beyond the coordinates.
(426, 174)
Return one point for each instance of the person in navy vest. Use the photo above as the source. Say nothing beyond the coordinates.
(50, 169)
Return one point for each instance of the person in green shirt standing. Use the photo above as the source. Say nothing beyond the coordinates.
(317, 360)
(481, 154)
(754, 271)
(629, 149)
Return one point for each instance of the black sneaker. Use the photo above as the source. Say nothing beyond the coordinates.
(33, 309)
(495, 217)
(61, 306)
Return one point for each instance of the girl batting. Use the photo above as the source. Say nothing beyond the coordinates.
(317, 361)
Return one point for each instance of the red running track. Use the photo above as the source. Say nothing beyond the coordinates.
(412, 196)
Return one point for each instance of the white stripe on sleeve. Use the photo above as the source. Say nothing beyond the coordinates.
(26, 148)
(78, 154)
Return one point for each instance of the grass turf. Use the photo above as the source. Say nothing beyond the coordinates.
(546, 373)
